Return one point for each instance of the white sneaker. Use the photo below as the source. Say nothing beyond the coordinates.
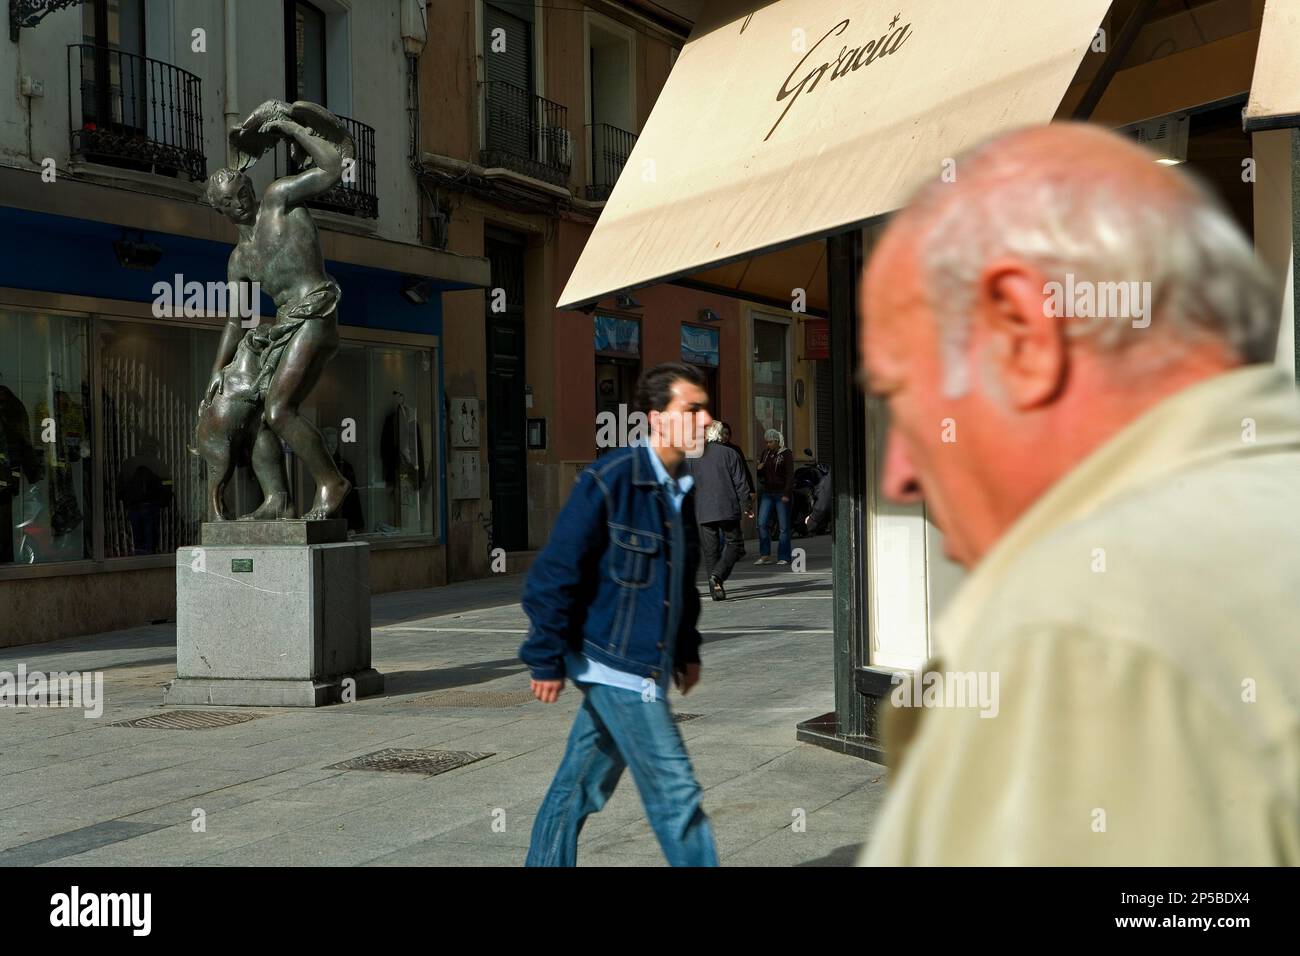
(764, 559)
(783, 562)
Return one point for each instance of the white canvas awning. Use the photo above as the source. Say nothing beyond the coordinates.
(1275, 88)
(803, 118)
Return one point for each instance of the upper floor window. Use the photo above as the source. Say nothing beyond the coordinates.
(304, 37)
(611, 103)
(508, 44)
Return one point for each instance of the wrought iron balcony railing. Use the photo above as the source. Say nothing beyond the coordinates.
(135, 112)
(355, 195)
(526, 133)
(610, 148)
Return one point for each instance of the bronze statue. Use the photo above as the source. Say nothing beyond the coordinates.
(261, 375)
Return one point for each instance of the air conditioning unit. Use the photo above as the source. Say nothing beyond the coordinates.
(1166, 136)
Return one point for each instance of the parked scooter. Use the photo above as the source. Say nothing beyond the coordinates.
(808, 479)
(42, 536)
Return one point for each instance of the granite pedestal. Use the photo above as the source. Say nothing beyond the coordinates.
(273, 614)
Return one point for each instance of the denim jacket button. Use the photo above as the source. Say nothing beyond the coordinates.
(654, 675)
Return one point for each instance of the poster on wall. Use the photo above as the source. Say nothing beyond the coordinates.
(464, 422)
(465, 480)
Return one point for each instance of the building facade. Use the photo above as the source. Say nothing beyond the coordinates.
(112, 114)
(529, 111)
(462, 404)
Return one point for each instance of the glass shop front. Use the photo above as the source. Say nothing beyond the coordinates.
(97, 420)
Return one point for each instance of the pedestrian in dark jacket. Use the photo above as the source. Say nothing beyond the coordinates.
(822, 502)
(749, 475)
(611, 604)
(776, 481)
(721, 494)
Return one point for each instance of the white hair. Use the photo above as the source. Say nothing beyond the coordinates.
(1205, 280)
(714, 431)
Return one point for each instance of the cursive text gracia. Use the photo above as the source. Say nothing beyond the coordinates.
(849, 59)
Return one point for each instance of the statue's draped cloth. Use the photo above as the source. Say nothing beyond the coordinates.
(262, 347)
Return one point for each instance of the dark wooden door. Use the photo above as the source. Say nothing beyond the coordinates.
(506, 413)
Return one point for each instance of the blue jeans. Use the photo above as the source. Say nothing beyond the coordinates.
(616, 728)
(766, 503)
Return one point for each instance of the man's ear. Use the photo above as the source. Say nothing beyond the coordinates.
(1021, 336)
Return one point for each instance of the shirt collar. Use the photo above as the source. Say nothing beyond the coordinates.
(1200, 424)
(684, 481)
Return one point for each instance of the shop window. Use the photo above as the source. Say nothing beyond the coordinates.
(771, 373)
(152, 380)
(374, 407)
(45, 447)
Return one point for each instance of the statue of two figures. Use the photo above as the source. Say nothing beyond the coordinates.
(262, 375)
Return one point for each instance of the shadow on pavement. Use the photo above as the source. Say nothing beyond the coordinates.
(444, 678)
(844, 856)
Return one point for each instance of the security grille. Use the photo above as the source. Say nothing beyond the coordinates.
(188, 720)
(396, 760)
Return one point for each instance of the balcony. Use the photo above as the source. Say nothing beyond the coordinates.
(355, 195)
(135, 112)
(610, 148)
(525, 133)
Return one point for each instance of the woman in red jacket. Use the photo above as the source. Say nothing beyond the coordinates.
(776, 484)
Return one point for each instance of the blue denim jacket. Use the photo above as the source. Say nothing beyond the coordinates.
(616, 580)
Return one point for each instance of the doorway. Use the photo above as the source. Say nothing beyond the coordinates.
(506, 412)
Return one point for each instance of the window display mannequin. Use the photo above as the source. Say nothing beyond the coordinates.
(402, 453)
(19, 459)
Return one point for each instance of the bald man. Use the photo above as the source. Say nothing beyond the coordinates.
(1073, 343)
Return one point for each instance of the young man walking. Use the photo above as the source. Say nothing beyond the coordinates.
(612, 605)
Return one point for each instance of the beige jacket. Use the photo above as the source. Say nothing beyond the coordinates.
(1142, 619)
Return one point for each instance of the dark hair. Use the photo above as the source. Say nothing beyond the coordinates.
(654, 389)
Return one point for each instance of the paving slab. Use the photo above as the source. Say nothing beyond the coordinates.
(77, 791)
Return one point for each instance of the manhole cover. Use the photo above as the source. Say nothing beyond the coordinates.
(476, 698)
(682, 718)
(428, 762)
(188, 720)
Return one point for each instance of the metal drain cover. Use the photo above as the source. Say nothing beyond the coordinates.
(428, 762)
(476, 698)
(682, 718)
(188, 720)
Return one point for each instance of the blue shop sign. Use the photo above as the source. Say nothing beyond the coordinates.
(618, 335)
(699, 346)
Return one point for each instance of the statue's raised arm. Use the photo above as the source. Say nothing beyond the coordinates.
(318, 141)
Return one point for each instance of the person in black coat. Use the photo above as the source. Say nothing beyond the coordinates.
(823, 501)
(721, 494)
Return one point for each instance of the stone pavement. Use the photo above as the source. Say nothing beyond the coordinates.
(82, 792)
